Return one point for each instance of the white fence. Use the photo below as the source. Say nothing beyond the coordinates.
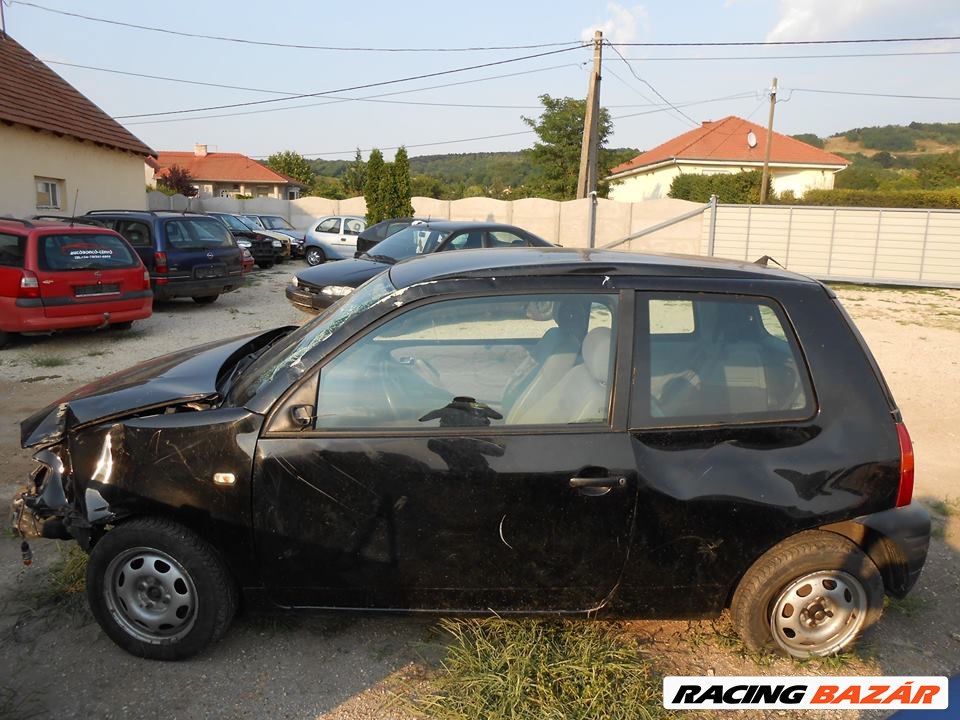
(891, 246)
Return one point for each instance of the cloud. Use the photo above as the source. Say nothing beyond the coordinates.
(830, 19)
(621, 25)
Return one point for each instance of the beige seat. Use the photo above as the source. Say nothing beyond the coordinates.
(580, 396)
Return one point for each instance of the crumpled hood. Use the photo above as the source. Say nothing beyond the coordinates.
(182, 376)
(353, 272)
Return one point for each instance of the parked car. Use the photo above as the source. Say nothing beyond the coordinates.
(538, 431)
(187, 254)
(266, 251)
(383, 229)
(316, 288)
(246, 259)
(55, 276)
(333, 237)
(279, 225)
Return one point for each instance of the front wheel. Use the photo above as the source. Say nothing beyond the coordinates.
(205, 299)
(4, 338)
(315, 256)
(158, 590)
(812, 595)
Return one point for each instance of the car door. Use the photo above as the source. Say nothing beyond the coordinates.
(460, 455)
(352, 227)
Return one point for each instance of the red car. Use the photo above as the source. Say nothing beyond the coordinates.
(55, 276)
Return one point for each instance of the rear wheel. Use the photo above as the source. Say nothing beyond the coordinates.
(265, 265)
(811, 595)
(315, 256)
(158, 590)
(205, 299)
(122, 325)
(4, 338)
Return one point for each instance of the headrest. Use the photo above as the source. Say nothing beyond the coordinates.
(596, 354)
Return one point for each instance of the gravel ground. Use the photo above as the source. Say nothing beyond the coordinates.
(55, 662)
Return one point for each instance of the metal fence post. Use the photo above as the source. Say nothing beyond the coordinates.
(593, 218)
(923, 247)
(712, 238)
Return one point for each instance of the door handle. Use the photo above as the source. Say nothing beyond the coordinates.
(600, 482)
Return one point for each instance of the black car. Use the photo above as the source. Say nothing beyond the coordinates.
(318, 287)
(533, 431)
(187, 254)
(266, 251)
(382, 230)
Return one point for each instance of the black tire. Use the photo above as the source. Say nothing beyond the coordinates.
(314, 256)
(4, 338)
(265, 265)
(122, 325)
(195, 576)
(844, 588)
(205, 299)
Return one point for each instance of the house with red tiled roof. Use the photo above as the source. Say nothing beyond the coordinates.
(224, 174)
(725, 146)
(59, 152)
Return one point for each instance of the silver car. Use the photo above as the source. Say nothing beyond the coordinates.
(333, 237)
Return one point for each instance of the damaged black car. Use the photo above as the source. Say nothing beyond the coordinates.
(539, 431)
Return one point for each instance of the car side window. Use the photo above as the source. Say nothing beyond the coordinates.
(542, 359)
(136, 233)
(502, 238)
(330, 225)
(465, 241)
(12, 250)
(352, 227)
(719, 359)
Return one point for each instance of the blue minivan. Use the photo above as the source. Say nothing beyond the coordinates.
(187, 254)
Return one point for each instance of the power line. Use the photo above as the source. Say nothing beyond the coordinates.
(247, 41)
(366, 97)
(354, 87)
(749, 43)
(797, 57)
(655, 91)
(873, 94)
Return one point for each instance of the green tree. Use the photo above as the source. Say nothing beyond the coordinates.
(810, 139)
(355, 176)
(940, 173)
(737, 188)
(401, 205)
(328, 187)
(292, 164)
(556, 157)
(373, 187)
(176, 179)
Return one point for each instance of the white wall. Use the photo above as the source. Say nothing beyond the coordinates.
(105, 178)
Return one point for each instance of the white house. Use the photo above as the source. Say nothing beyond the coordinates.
(59, 153)
(725, 146)
(220, 174)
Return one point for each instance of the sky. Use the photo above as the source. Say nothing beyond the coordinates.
(703, 82)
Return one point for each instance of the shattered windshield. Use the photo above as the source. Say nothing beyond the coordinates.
(284, 361)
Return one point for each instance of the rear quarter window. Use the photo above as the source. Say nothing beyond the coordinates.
(13, 249)
(59, 253)
(718, 359)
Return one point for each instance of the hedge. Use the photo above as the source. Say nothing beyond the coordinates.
(944, 199)
(737, 188)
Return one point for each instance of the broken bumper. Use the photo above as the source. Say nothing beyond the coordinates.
(41, 509)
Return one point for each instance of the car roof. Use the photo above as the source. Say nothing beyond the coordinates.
(446, 225)
(25, 226)
(144, 214)
(575, 261)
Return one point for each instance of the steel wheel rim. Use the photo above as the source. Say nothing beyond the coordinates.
(819, 613)
(150, 595)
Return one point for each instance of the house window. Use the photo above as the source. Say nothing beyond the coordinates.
(49, 191)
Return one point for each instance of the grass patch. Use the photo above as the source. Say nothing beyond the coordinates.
(497, 668)
(48, 361)
(946, 508)
(938, 531)
(65, 579)
(910, 606)
(98, 353)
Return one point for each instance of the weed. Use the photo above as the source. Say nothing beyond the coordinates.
(40, 378)
(938, 531)
(946, 508)
(497, 668)
(233, 311)
(97, 353)
(65, 580)
(48, 361)
(839, 662)
(910, 606)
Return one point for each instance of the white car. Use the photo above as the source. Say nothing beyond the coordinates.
(333, 237)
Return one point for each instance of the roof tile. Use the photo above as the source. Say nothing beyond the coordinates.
(222, 167)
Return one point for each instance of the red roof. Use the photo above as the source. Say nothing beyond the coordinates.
(726, 141)
(223, 167)
(32, 94)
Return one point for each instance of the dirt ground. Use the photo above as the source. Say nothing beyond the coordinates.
(54, 661)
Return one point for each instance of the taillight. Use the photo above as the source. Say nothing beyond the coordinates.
(905, 492)
(146, 279)
(29, 285)
(160, 262)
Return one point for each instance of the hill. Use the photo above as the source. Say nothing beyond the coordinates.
(913, 139)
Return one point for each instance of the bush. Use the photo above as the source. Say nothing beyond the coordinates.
(735, 188)
(944, 199)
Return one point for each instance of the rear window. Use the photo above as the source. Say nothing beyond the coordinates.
(60, 253)
(12, 250)
(197, 234)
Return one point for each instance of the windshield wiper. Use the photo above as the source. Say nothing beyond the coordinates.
(381, 258)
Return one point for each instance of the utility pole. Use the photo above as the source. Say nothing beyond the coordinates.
(587, 180)
(766, 155)
(3, 22)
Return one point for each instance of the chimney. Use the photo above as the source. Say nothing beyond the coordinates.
(200, 150)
